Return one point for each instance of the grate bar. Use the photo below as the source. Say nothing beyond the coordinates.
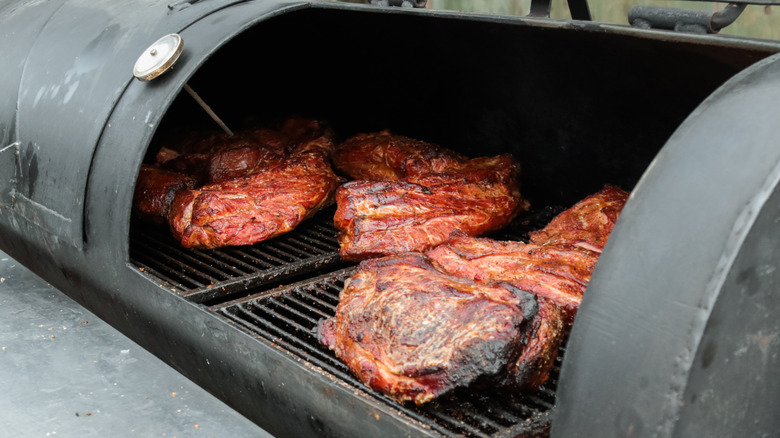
(209, 260)
(187, 260)
(228, 261)
(312, 245)
(145, 268)
(173, 268)
(212, 269)
(271, 333)
(246, 256)
(324, 245)
(270, 308)
(318, 312)
(461, 426)
(219, 274)
(296, 251)
(265, 254)
(322, 303)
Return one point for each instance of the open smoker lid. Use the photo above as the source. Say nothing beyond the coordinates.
(677, 333)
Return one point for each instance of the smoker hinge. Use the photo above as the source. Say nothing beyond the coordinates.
(684, 20)
(400, 3)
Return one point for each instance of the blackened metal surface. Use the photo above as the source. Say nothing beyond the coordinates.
(73, 88)
(579, 10)
(678, 331)
(739, 352)
(287, 317)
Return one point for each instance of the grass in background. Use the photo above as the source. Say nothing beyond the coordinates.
(755, 22)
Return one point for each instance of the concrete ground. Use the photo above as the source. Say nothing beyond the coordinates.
(66, 373)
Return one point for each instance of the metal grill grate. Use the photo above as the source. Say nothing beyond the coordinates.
(288, 316)
(205, 275)
(218, 275)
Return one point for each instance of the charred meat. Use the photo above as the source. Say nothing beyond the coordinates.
(155, 190)
(413, 332)
(557, 264)
(213, 157)
(384, 156)
(416, 325)
(556, 273)
(256, 207)
(377, 218)
(259, 183)
(587, 224)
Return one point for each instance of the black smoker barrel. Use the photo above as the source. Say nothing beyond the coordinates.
(675, 334)
(682, 337)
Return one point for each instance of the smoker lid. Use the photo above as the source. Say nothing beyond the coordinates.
(73, 88)
(677, 332)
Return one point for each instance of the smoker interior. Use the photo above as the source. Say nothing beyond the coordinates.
(287, 315)
(578, 105)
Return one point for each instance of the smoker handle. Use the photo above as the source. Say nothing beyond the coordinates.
(684, 20)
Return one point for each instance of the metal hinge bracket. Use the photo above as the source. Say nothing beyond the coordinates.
(684, 20)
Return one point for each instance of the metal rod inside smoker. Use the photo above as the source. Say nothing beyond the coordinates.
(208, 109)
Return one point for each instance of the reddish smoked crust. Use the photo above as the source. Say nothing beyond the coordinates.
(254, 208)
(390, 217)
(212, 157)
(241, 161)
(383, 156)
(155, 189)
(386, 294)
(262, 183)
(413, 333)
(556, 273)
(588, 223)
(558, 269)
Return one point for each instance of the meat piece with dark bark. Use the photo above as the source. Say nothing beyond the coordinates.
(557, 264)
(263, 183)
(212, 157)
(384, 156)
(264, 148)
(155, 190)
(588, 223)
(413, 332)
(215, 156)
(257, 207)
(556, 273)
(419, 212)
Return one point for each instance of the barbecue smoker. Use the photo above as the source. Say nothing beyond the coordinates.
(677, 334)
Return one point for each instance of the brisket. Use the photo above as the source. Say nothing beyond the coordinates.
(413, 332)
